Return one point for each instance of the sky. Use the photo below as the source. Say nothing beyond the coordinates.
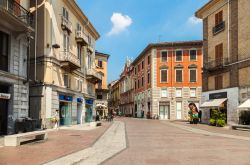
(128, 26)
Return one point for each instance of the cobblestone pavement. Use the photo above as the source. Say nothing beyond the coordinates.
(60, 143)
(152, 142)
(112, 142)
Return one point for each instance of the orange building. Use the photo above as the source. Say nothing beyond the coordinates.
(167, 77)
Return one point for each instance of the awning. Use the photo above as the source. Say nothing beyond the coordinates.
(245, 105)
(213, 103)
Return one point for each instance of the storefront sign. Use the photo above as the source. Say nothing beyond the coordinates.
(218, 95)
(79, 100)
(89, 101)
(65, 98)
(5, 96)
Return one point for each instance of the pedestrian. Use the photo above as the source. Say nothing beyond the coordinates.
(56, 119)
(194, 113)
(142, 114)
(200, 115)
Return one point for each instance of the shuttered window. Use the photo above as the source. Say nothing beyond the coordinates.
(218, 18)
(218, 82)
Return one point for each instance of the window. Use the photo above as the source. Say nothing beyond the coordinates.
(89, 61)
(99, 97)
(135, 84)
(66, 42)
(218, 54)
(138, 67)
(164, 75)
(164, 56)
(192, 92)
(66, 80)
(138, 84)
(178, 55)
(178, 75)
(218, 18)
(79, 53)
(142, 81)
(80, 85)
(192, 75)
(149, 60)
(78, 27)
(164, 93)
(193, 55)
(142, 65)
(4, 40)
(135, 70)
(178, 92)
(218, 82)
(65, 13)
(148, 78)
(99, 63)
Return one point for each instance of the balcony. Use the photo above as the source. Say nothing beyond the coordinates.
(81, 38)
(93, 76)
(69, 61)
(219, 28)
(216, 64)
(66, 24)
(15, 17)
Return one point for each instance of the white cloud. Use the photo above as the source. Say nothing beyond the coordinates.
(120, 23)
(193, 20)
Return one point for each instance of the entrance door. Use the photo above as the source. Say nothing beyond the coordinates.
(164, 112)
(3, 111)
(178, 110)
(65, 113)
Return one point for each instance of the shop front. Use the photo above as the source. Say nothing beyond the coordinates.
(65, 109)
(89, 110)
(79, 110)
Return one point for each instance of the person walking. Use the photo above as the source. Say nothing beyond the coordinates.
(142, 114)
(56, 120)
(200, 115)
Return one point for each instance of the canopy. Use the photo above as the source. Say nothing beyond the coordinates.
(101, 105)
(213, 103)
(245, 105)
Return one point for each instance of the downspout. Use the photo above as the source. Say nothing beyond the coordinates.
(35, 54)
(228, 32)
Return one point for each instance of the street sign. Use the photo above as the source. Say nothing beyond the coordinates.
(5, 96)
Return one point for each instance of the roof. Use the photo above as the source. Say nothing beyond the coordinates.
(168, 44)
(102, 54)
(209, 4)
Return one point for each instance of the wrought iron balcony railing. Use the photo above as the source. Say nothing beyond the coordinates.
(69, 60)
(219, 27)
(216, 64)
(18, 11)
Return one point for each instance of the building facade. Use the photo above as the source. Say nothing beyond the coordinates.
(63, 64)
(101, 60)
(226, 57)
(114, 96)
(16, 26)
(126, 106)
(168, 78)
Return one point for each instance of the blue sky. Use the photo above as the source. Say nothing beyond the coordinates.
(128, 26)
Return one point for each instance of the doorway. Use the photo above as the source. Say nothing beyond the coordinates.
(65, 113)
(164, 112)
(79, 113)
(178, 110)
(3, 111)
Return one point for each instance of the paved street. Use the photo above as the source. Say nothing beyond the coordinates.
(160, 143)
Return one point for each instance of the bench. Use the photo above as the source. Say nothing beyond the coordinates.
(236, 126)
(16, 139)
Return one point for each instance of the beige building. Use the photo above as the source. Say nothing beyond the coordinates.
(15, 36)
(226, 55)
(101, 61)
(63, 64)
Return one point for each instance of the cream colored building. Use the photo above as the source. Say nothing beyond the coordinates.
(63, 64)
(226, 32)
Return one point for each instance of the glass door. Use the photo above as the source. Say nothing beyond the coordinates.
(178, 110)
(164, 112)
(65, 113)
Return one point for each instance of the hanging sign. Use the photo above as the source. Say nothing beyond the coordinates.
(5, 96)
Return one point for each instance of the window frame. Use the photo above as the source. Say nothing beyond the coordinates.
(190, 89)
(193, 69)
(178, 89)
(177, 69)
(196, 55)
(181, 55)
(162, 51)
(161, 75)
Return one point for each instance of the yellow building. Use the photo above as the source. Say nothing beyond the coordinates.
(101, 61)
(63, 64)
(226, 56)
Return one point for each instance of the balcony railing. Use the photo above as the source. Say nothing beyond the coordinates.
(18, 11)
(69, 60)
(216, 64)
(66, 24)
(219, 27)
(81, 37)
(93, 75)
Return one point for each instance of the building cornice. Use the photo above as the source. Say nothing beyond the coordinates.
(207, 6)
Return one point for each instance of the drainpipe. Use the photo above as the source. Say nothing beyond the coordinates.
(228, 32)
(35, 43)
